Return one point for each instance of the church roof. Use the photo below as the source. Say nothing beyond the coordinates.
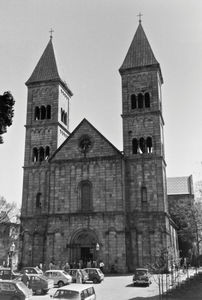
(180, 185)
(46, 68)
(86, 128)
(140, 53)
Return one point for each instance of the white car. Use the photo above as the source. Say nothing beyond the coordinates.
(75, 291)
(60, 277)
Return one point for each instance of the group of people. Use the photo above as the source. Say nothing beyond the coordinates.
(67, 266)
(78, 265)
(84, 264)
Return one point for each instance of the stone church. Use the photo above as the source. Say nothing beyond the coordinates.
(82, 197)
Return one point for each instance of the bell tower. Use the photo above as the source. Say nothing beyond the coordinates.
(143, 144)
(47, 126)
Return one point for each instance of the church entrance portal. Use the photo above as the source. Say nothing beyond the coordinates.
(83, 247)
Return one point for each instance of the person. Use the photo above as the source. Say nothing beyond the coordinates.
(89, 263)
(51, 265)
(78, 276)
(67, 267)
(25, 278)
(102, 266)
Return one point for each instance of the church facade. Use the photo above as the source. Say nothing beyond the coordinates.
(82, 197)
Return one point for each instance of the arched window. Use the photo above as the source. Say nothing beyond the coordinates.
(36, 113)
(142, 145)
(149, 144)
(133, 99)
(48, 111)
(35, 155)
(147, 100)
(38, 200)
(135, 146)
(140, 100)
(43, 112)
(41, 154)
(47, 152)
(86, 195)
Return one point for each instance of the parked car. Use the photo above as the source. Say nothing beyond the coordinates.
(141, 277)
(75, 291)
(60, 277)
(84, 274)
(32, 270)
(94, 274)
(7, 273)
(40, 284)
(14, 289)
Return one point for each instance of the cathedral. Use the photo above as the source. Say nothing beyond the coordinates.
(84, 199)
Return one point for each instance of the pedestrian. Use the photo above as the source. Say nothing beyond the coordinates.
(25, 278)
(102, 266)
(89, 264)
(51, 265)
(67, 267)
(78, 276)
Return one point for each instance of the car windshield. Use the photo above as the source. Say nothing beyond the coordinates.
(22, 286)
(141, 272)
(84, 272)
(64, 272)
(99, 272)
(63, 294)
(42, 277)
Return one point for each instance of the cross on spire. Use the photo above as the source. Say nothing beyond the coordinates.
(139, 15)
(51, 33)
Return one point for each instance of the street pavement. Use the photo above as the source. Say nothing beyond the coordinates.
(121, 288)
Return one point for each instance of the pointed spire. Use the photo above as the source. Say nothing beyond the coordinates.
(140, 53)
(46, 69)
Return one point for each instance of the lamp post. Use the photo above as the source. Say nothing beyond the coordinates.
(11, 250)
(97, 248)
(30, 255)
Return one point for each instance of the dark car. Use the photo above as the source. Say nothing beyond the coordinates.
(32, 270)
(84, 274)
(141, 277)
(14, 289)
(94, 274)
(7, 273)
(40, 284)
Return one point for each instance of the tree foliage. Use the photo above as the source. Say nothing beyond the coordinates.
(6, 112)
(188, 218)
(9, 212)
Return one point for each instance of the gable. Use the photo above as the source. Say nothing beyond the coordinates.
(85, 141)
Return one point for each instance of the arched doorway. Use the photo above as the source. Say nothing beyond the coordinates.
(83, 246)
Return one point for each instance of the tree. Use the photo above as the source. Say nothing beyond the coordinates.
(9, 212)
(6, 112)
(188, 218)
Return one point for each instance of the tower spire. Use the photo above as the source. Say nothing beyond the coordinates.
(51, 33)
(139, 16)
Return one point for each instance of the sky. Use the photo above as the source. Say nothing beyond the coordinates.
(91, 39)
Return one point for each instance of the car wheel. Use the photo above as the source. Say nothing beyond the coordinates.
(60, 283)
(95, 280)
